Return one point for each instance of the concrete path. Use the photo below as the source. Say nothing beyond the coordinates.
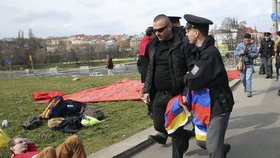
(253, 132)
(254, 127)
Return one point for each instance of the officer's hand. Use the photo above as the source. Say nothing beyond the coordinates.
(146, 98)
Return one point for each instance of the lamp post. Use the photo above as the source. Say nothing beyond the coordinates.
(274, 17)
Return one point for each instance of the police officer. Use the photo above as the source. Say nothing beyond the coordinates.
(208, 71)
(267, 53)
(175, 20)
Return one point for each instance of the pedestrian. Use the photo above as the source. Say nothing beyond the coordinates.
(266, 52)
(166, 69)
(110, 65)
(23, 148)
(208, 71)
(247, 52)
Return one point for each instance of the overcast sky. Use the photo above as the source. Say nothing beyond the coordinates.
(68, 17)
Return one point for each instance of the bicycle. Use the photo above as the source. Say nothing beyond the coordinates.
(230, 59)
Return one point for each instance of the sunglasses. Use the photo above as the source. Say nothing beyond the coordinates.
(161, 29)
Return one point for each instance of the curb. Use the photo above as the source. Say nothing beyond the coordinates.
(137, 142)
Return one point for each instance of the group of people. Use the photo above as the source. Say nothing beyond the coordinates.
(182, 60)
(247, 52)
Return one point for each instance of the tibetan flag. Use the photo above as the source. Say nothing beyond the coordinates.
(200, 103)
(175, 115)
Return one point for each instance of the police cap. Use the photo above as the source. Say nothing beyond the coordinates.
(174, 19)
(267, 34)
(197, 22)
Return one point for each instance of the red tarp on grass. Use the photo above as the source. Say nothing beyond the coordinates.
(46, 95)
(118, 91)
(233, 74)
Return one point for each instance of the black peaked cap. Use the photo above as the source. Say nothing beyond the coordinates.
(267, 34)
(196, 21)
(174, 19)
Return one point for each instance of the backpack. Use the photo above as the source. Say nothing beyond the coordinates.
(55, 108)
(74, 108)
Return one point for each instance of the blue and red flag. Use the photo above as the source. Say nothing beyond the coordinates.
(175, 115)
(200, 103)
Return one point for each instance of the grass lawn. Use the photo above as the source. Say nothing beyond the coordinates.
(122, 119)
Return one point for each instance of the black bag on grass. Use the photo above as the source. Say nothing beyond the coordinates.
(74, 108)
(32, 123)
(69, 125)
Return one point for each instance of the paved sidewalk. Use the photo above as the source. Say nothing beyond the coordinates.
(133, 144)
(254, 126)
(254, 129)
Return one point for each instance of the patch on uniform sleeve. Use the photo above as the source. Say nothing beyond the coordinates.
(195, 69)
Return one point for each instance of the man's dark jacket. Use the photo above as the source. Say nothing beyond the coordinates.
(209, 72)
(177, 62)
(267, 48)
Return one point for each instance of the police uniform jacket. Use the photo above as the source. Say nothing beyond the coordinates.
(267, 48)
(176, 59)
(208, 71)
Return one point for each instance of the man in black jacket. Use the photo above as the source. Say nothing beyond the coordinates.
(165, 73)
(208, 71)
(267, 53)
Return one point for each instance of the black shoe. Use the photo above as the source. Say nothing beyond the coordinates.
(267, 77)
(227, 148)
(279, 93)
(158, 139)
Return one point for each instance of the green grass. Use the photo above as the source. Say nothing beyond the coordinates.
(122, 119)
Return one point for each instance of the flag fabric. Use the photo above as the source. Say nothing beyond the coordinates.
(200, 103)
(175, 115)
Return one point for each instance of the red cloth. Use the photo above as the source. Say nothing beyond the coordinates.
(233, 74)
(31, 150)
(143, 45)
(46, 95)
(118, 91)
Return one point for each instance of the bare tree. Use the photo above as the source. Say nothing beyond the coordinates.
(229, 25)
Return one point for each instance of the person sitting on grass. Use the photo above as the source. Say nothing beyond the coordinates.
(24, 148)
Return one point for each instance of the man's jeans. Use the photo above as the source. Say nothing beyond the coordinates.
(246, 77)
